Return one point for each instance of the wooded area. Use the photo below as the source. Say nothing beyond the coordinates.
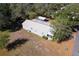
(9, 13)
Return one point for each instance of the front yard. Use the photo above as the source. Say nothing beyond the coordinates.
(37, 45)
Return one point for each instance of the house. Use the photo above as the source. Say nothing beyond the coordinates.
(39, 26)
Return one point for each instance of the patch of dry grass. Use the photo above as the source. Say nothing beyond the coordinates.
(39, 46)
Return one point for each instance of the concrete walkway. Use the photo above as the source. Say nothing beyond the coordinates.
(76, 46)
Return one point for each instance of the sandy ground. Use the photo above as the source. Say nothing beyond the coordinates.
(38, 46)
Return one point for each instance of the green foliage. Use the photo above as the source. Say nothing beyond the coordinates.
(9, 12)
(32, 15)
(62, 34)
(70, 14)
(65, 20)
(4, 15)
(3, 38)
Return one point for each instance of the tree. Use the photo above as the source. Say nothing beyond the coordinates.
(4, 16)
(62, 34)
(65, 20)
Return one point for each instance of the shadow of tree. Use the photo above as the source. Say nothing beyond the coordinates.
(15, 44)
(14, 25)
(66, 39)
(17, 25)
(75, 28)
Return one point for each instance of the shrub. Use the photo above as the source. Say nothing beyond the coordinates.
(3, 39)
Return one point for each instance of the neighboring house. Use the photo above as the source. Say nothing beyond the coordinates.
(39, 26)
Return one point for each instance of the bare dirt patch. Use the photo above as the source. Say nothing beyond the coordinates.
(39, 46)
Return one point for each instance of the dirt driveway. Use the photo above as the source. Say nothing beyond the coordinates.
(38, 46)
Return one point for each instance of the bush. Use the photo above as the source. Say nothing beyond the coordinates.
(3, 39)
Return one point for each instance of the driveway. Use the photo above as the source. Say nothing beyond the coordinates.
(76, 46)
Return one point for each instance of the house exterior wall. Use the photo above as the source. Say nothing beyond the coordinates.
(37, 28)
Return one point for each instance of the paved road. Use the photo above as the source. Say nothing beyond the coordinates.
(76, 46)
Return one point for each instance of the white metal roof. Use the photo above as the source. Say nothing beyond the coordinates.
(34, 23)
(41, 18)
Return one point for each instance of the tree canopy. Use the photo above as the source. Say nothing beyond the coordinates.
(65, 20)
(9, 12)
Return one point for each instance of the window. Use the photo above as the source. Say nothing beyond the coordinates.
(49, 35)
